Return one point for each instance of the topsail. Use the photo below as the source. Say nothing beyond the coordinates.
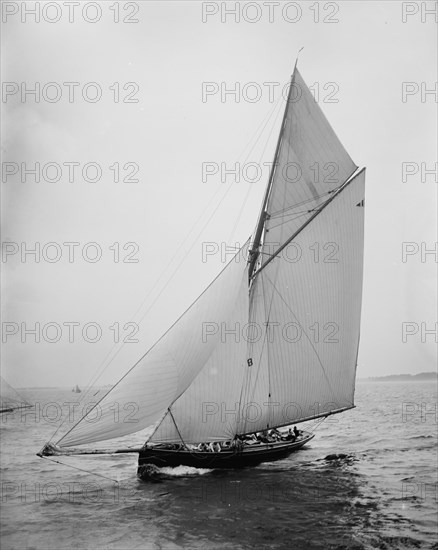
(311, 164)
(283, 328)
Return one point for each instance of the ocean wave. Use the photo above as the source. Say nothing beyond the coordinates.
(423, 436)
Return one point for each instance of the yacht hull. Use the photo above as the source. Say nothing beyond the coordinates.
(249, 455)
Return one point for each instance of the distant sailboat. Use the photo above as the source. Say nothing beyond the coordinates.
(10, 399)
(76, 389)
(282, 322)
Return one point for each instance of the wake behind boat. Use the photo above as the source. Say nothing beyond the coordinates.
(296, 289)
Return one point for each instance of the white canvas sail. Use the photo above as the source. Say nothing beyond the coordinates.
(304, 364)
(285, 348)
(169, 367)
(311, 163)
(207, 411)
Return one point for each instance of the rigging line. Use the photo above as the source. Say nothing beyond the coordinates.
(259, 131)
(246, 383)
(177, 429)
(261, 156)
(305, 333)
(5, 386)
(299, 215)
(267, 348)
(103, 366)
(316, 421)
(349, 180)
(158, 424)
(296, 214)
(246, 380)
(185, 256)
(265, 340)
(250, 185)
(302, 203)
(80, 469)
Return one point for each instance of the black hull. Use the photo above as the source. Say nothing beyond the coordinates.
(250, 455)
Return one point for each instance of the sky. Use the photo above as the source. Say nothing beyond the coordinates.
(123, 149)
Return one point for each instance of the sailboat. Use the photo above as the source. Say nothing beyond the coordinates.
(273, 340)
(10, 399)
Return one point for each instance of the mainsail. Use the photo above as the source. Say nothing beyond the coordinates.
(283, 328)
(307, 299)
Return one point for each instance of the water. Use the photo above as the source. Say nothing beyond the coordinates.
(382, 494)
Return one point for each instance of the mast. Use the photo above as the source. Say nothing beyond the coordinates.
(254, 252)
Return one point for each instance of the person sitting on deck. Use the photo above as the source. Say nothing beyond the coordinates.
(297, 432)
(238, 443)
(215, 447)
(264, 437)
(290, 436)
(275, 434)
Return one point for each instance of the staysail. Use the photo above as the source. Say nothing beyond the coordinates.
(168, 368)
(282, 329)
(207, 410)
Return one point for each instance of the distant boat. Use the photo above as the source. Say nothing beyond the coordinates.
(10, 399)
(76, 389)
(213, 400)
